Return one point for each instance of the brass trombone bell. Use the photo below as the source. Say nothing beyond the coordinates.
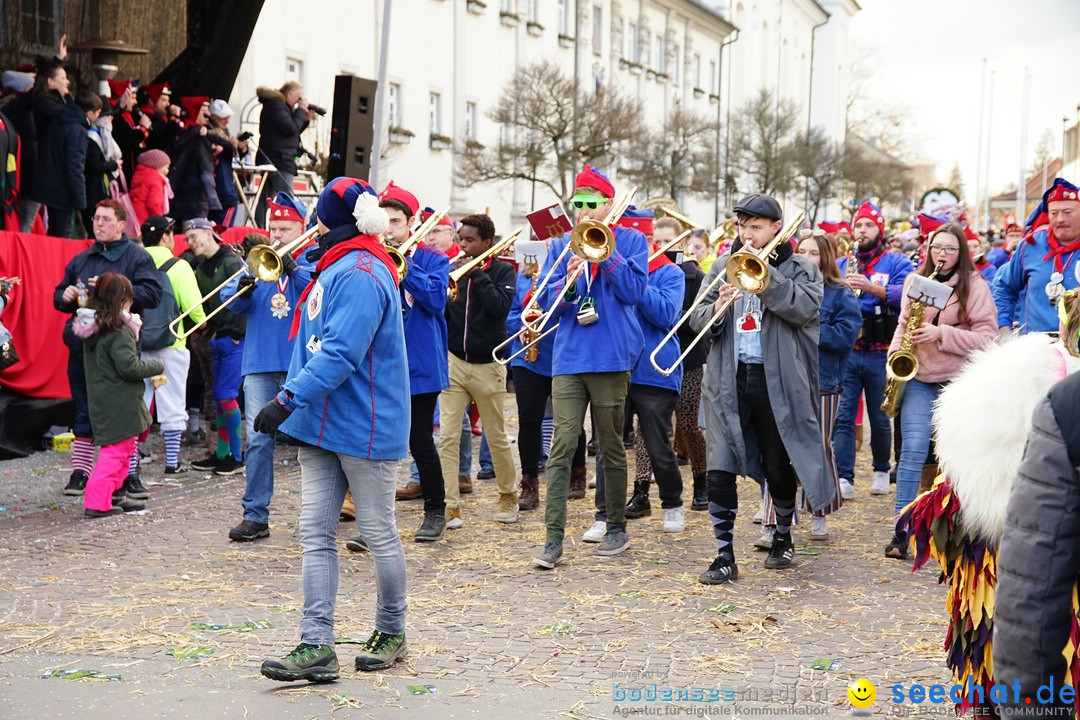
(399, 254)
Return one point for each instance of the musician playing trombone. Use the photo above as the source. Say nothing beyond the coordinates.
(761, 387)
(596, 346)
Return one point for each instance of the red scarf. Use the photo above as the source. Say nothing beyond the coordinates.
(363, 242)
(1056, 250)
(658, 262)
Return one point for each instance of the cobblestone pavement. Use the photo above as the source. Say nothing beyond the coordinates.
(494, 636)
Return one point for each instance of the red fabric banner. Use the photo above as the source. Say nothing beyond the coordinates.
(39, 262)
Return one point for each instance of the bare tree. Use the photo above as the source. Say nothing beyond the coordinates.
(677, 159)
(819, 164)
(555, 127)
(870, 173)
(956, 181)
(1044, 152)
(762, 143)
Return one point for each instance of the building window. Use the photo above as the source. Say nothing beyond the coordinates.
(504, 134)
(294, 69)
(561, 24)
(533, 13)
(436, 114)
(393, 98)
(506, 6)
(470, 120)
(675, 62)
(39, 20)
(695, 70)
(712, 76)
(658, 53)
(597, 30)
(631, 43)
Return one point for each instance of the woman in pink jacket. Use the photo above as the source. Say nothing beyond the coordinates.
(149, 186)
(942, 343)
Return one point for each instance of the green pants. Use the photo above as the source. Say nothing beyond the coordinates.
(570, 396)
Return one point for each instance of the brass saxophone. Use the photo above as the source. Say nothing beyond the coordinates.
(533, 312)
(853, 264)
(902, 365)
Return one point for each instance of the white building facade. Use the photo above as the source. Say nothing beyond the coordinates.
(448, 61)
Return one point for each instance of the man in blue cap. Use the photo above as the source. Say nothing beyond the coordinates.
(267, 353)
(1044, 266)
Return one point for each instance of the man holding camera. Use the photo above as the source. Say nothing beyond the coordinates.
(285, 114)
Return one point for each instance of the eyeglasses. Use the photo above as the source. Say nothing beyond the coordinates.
(586, 201)
(948, 250)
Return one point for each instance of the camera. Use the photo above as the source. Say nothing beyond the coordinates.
(245, 136)
(316, 109)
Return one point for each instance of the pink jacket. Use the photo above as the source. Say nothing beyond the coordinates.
(147, 193)
(941, 361)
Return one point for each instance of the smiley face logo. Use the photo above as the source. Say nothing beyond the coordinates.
(862, 693)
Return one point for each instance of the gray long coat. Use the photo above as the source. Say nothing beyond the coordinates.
(789, 340)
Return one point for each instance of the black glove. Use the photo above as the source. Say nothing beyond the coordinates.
(270, 417)
(246, 282)
(288, 264)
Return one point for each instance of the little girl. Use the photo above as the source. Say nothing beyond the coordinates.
(114, 382)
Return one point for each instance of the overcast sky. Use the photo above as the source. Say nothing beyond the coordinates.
(928, 56)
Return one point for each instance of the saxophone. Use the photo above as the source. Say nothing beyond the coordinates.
(902, 365)
(533, 313)
(853, 264)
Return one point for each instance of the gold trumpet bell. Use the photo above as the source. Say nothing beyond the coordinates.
(592, 240)
(264, 263)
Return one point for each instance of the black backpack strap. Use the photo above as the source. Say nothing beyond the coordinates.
(168, 264)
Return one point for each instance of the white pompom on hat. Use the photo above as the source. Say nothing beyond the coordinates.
(349, 201)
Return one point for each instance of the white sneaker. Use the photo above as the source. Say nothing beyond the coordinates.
(847, 489)
(674, 520)
(760, 513)
(881, 484)
(596, 533)
(591, 483)
(818, 529)
(766, 540)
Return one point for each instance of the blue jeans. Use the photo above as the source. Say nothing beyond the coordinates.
(324, 478)
(865, 372)
(259, 389)
(485, 455)
(915, 415)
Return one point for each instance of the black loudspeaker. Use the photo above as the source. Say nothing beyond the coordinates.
(352, 128)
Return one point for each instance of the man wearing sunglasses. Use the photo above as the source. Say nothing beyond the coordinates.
(598, 342)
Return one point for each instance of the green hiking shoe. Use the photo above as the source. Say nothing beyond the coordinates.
(380, 651)
(317, 663)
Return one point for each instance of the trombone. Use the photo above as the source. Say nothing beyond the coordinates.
(673, 243)
(592, 241)
(748, 270)
(400, 253)
(493, 251)
(263, 262)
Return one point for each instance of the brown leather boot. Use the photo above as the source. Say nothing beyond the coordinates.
(464, 484)
(348, 510)
(926, 480)
(577, 483)
(530, 493)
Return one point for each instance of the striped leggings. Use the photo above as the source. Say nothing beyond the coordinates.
(689, 439)
(829, 404)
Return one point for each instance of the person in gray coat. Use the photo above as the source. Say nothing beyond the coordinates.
(1038, 563)
(761, 389)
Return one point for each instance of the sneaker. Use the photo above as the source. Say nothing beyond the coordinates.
(134, 488)
(722, 569)
(128, 505)
(674, 520)
(881, 484)
(380, 651)
(782, 553)
(317, 663)
(453, 518)
(207, 463)
(356, 544)
(847, 489)
(145, 455)
(175, 469)
(507, 509)
(114, 510)
(433, 526)
(759, 516)
(616, 541)
(411, 491)
(198, 437)
(76, 483)
(898, 548)
(249, 530)
(549, 556)
(591, 483)
(464, 484)
(485, 474)
(765, 542)
(818, 529)
(596, 533)
(229, 466)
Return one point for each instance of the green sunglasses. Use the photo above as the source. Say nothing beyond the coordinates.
(587, 201)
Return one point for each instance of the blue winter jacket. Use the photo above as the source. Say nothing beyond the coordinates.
(614, 342)
(349, 377)
(1027, 272)
(840, 322)
(267, 348)
(423, 297)
(657, 313)
(890, 270)
(988, 271)
(997, 257)
(542, 366)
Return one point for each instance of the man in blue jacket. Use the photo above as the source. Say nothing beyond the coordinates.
(1045, 266)
(267, 353)
(878, 280)
(597, 345)
(346, 400)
